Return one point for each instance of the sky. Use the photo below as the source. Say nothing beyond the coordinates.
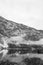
(28, 12)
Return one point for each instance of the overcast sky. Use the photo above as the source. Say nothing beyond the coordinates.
(28, 12)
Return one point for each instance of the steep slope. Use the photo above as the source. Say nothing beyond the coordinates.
(10, 28)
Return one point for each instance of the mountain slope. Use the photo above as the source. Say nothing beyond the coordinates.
(10, 28)
(17, 40)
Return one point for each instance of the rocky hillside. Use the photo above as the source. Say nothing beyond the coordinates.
(20, 44)
(10, 28)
